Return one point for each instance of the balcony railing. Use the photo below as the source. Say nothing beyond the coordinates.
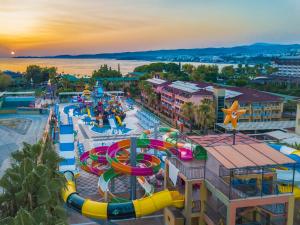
(214, 215)
(217, 182)
(190, 172)
(277, 209)
(226, 189)
(167, 99)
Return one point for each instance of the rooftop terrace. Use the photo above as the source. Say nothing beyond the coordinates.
(247, 152)
(265, 125)
(156, 81)
(185, 86)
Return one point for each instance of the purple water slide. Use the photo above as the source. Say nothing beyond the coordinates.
(136, 171)
(156, 143)
(113, 149)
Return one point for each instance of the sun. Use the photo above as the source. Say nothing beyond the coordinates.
(12, 52)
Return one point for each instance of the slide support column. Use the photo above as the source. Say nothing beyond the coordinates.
(133, 145)
(156, 124)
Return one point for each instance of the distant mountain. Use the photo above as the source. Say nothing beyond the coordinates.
(225, 54)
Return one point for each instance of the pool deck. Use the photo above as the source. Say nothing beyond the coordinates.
(12, 139)
(91, 139)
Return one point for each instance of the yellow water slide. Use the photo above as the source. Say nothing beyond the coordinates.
(119, 120)
(110, 211)
(88, 111)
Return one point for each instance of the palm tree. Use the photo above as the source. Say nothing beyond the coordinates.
(152, 99)
(187, 111)
(32, 187)
(141, 85)
(148, 89)
(205, 114)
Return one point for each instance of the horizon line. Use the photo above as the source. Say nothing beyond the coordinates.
(152, 50)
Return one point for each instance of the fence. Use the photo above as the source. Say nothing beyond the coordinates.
(190, 172)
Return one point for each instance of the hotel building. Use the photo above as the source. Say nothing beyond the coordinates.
(260, 106)
(288, 66)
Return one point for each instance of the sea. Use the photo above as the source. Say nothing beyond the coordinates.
(79, 67)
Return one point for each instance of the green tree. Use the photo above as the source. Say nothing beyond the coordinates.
(188, 68)
(269, 69)
(51, 72)
(205, 73)
(187, 111)
(32, 187)
(152, 99)
(167, 71)
(91, 82)
(241, 82)
(141, 85)
(148, 89)
(205, 115)
(38, 74)
(65, 85)
(5, 81)
(105, 71)
(81, 83)
(228, 72)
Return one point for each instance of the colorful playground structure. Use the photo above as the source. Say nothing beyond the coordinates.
(102, 110)
(228, 179)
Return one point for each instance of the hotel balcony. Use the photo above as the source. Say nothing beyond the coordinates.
(184, 98)
(168, 100)
(232, 186)
(166, 106)
(178, 104)
(167, 92)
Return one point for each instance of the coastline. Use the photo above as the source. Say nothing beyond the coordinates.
(81, 67)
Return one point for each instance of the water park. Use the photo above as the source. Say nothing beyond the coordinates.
(121, 163)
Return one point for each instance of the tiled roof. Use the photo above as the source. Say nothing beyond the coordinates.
(247, 152)
(263, 125)
(157, 81)
(178, 91)
(242, 94)
(252, 95)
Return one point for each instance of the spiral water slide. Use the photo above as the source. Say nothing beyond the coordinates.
(115, 157)
(100, 167)
(183, 150)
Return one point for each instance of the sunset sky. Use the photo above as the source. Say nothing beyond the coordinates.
(51, 27)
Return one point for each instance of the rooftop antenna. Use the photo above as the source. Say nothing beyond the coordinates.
(232, 115)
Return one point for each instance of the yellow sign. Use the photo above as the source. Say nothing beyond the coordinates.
(233, 114)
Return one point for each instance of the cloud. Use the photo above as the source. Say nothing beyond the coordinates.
(74, 26)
